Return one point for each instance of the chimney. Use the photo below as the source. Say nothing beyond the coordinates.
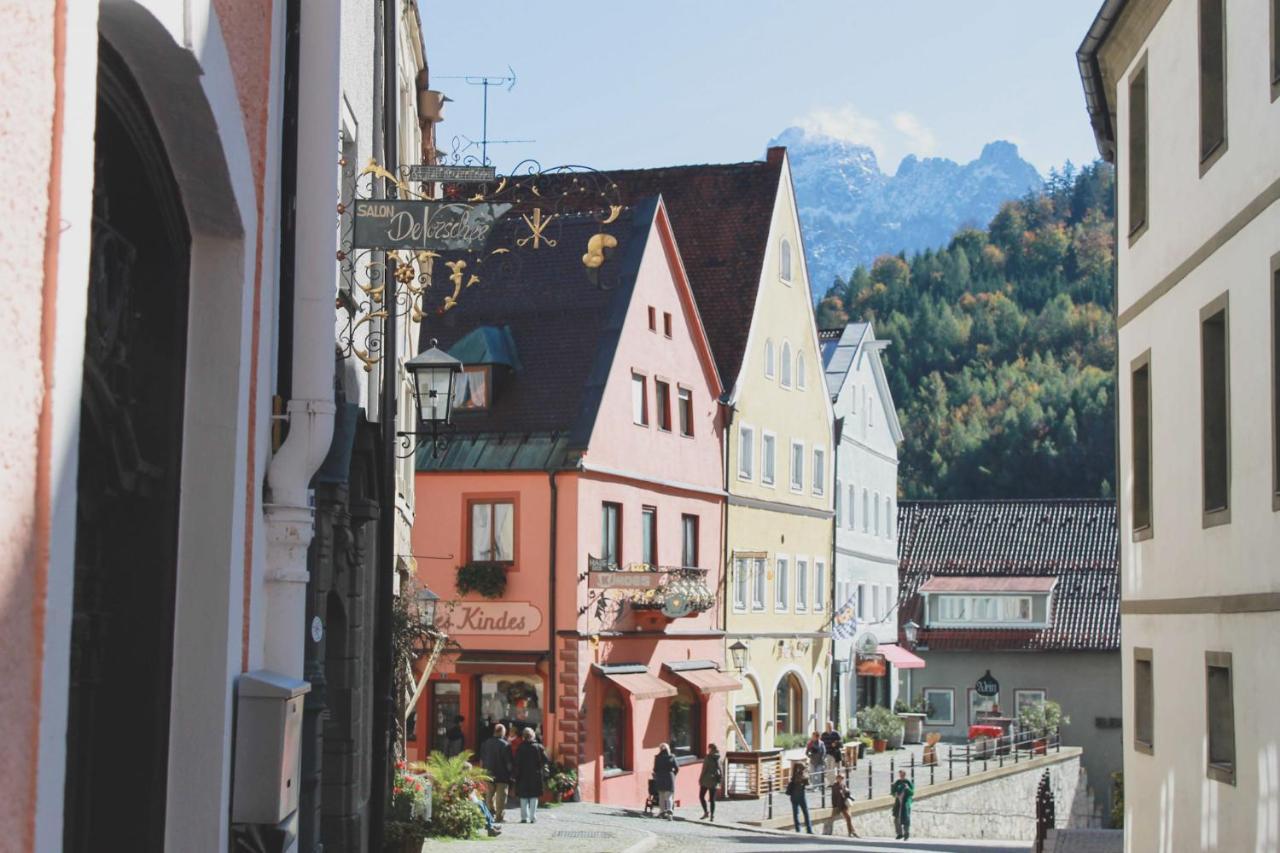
(775, 154)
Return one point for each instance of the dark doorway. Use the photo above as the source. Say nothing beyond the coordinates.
(128, 491)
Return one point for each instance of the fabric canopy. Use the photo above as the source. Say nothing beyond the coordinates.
(900, 657)
(641, 685)
(709, 680)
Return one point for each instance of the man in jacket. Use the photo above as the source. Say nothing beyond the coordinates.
(497, 761)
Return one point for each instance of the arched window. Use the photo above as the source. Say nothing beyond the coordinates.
(613, 711)
(800, 372)
(784, 260)
(888, 519)
(768, 358)
(866, 511)
(683, 718)
(786, 364)
(788, 706)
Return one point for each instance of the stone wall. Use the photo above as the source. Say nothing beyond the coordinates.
(999, 804)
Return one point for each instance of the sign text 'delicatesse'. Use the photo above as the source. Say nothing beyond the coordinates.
(424, 225)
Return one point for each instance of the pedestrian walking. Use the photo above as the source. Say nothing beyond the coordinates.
(531, 762)
(904, 791)
(498, 762)
(454, 739)
(664, 779)
(796, 791)
(840, 799)
(709, 782)
(834, 745)
(817, 755)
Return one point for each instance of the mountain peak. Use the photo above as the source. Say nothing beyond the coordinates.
(1000, 151)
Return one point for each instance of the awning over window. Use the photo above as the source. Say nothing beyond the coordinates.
(992, 584)
(636, 681)
(704, 676)
(900, 657)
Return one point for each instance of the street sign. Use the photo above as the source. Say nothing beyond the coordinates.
(623, 580)
(424, 225)
(451, 174)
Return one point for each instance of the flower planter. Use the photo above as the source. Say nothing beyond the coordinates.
(879, 745)
(1040, 746)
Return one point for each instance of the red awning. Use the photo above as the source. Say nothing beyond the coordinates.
(900, 657)
(641, 685)
(709, 680)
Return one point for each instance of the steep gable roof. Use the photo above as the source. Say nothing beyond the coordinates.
(564, 326)
(840, 348)
(1075, 541)
(721, 215)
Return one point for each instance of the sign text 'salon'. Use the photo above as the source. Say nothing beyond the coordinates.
(439, 226)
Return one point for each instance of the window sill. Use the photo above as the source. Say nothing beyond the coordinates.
(686, 760)
(1142, 534)
(1144, 748)
(1216, 518)
(1215, 154)
(1136, 233)
(1225, 773)
(616, 772)
(1275, 502)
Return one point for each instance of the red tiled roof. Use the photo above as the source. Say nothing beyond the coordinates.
(988, 583)
(721, 216)
(1071, 540)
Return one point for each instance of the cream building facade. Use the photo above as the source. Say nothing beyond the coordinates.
(1183, 97)
(780, 481)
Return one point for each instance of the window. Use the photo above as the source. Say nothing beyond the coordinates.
(802, 584)
(768, 359)
(741, 569)
(801, 379)
(866, 511)
(862, 602)
(797, 466)
(853, 505)
(939, 706)
(663, 392)
(613, 711)
(757, 589)
(611, 533)
(875, 604)
(768, 461)
(781, 582)
(471, 389)
(1137, 165)
(819, 470)
(746, 452)
(1140, 440)
(839, 505)
(886, 517)
(653, 319)
(492, 532)
(788, 706)
(784, 261)
(666, 323)
(689, 540)
(981, 608)
(819, 585)
(893, 519)
(1220, 717)
(980, 706)
(876, 509)
(685, 404)
(1275, 49)
(1144, 697)
(1213, 82)
(1275, 373)
(871, 411)
(888, 601)
(513, 700)
(786, 364)
(683, 717)
(639, 399)
(1215, 422)
(1027, 698)
(649, 536)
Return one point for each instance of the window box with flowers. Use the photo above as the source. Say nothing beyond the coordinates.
(484, 577)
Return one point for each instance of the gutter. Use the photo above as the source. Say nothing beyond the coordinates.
(1095, 91)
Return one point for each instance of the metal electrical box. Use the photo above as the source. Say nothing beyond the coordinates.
(268, 747)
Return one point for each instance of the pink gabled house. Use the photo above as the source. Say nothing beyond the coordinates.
(587, 471)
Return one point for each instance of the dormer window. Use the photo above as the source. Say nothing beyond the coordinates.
(784, 260)
(982, 602)
(471, 389)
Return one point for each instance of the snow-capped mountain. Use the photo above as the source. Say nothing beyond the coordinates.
(852, 212)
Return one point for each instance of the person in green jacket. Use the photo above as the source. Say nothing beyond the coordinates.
(904, 791)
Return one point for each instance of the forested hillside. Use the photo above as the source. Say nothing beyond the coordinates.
(1003, 354)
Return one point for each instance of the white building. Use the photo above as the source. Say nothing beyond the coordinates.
(1182, 95)
(866, 513)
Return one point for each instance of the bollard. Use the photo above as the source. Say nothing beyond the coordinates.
(931, 766)
(870, 790)
(769, 806)
(913, 768)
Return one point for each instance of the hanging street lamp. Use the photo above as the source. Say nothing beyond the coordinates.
(738, 651)
(427, 601)
(432, 373)
(912, 632)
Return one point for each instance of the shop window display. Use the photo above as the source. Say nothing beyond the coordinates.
(513, 700)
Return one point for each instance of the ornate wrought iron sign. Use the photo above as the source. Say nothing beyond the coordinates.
(436, 226)
(450, 174)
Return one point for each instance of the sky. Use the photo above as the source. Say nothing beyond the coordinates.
(630, 83)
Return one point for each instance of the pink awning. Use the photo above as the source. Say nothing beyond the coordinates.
(710, 680)
(641, 685)
(900, 657)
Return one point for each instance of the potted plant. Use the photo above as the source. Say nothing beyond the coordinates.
(865, 742)
(483, 577)
(453, 814)
(562, 783)
(1041, 719)
(882, 724)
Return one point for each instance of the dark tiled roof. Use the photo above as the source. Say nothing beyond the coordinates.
(564, 327)
(721, 216)
(1072, 540)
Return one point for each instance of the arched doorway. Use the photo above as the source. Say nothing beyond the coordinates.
(129, 481)
(788, 706)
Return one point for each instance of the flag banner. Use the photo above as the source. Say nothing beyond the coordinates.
(844, 624)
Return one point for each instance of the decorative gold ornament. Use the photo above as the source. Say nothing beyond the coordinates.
(615, 210)
(536, 226)
(594, 258)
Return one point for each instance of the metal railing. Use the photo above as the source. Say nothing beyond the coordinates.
(951, 761)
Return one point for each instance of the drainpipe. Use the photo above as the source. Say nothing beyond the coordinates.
(288, 511)
(837, 431)
(551, 596)
(729, 410)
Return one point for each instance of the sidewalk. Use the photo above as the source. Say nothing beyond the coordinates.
(568, 828)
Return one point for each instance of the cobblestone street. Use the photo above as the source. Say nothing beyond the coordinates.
(591, 828)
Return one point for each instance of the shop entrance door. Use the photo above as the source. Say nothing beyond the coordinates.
(746, 721)
(446, 704)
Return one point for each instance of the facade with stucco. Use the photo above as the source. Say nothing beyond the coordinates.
(1184, 98)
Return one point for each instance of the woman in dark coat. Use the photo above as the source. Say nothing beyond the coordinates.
(531, 759)
(664, 779)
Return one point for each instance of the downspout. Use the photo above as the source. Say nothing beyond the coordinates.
(551, 595)
(837, 431)
(288, 511)
(729, 409)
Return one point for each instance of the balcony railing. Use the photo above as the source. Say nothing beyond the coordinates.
(675, 590)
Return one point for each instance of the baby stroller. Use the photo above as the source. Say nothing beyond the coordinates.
(651, 802)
